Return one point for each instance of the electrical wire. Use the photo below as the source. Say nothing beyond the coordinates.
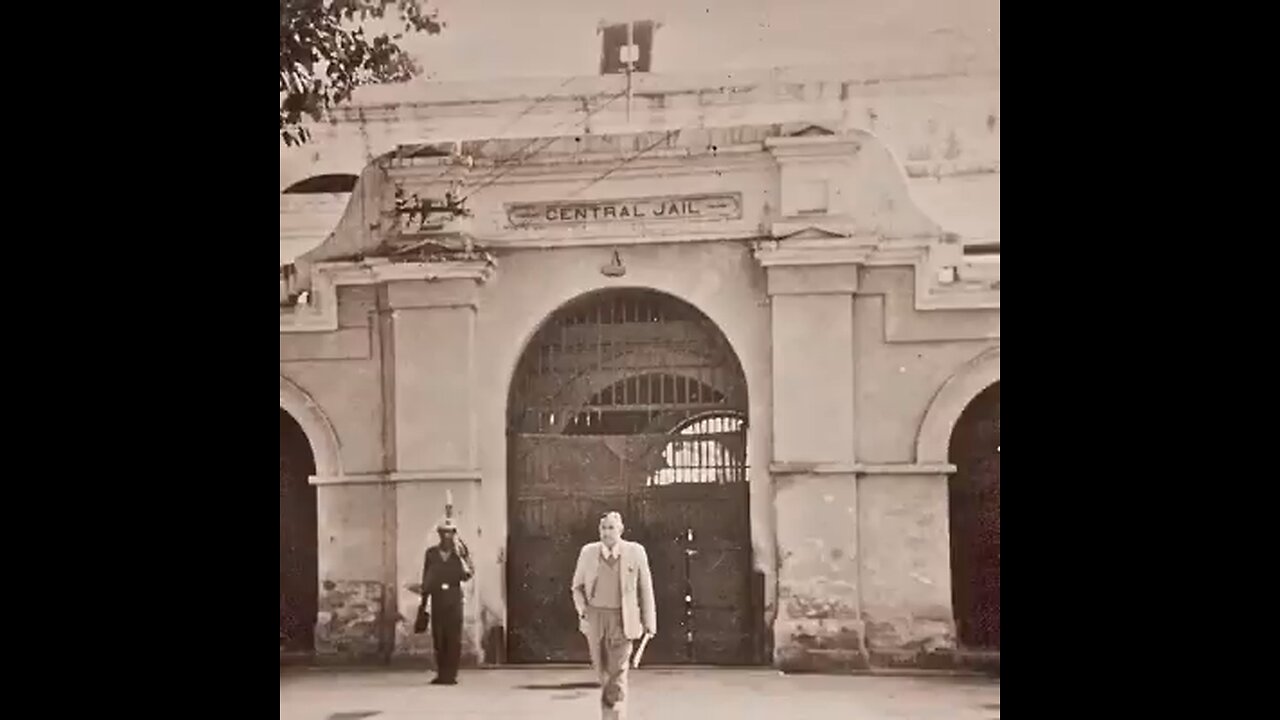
(546, 142)
(666, 137)
(519, 116)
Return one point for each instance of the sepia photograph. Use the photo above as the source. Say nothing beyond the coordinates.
(639, 360)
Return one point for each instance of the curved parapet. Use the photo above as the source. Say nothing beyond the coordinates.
(845, 184)
(845, 200)
(351, 236)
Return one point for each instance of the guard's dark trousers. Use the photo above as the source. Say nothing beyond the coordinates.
(446, 635)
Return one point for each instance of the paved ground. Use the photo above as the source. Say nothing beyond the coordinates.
(658, 694)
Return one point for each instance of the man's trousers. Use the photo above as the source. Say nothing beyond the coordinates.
(446, 636)
(611, 658)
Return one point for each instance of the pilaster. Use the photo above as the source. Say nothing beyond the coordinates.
(819, 623)
(434, 450)
(374, 526)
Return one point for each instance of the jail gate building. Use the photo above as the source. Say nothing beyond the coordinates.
(728, 318)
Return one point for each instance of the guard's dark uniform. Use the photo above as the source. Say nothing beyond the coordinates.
(442, 578)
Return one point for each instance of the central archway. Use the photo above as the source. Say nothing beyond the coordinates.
(631, 400)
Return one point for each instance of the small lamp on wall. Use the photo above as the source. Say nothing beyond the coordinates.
(614, 268)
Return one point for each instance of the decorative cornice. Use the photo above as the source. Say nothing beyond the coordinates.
(776, 469)
(808, 228)
(397, 477)
(427, 99)
(917, 169)
(816, 244)
(769, 257)
(825, 148)
(411, 476)
(812, 468)
(320, 312)
(375, 271)
(624, 235)
(906, 469)
(351, 479)
(797, 468)
(569, 170)
(664, 159)
(938, 263)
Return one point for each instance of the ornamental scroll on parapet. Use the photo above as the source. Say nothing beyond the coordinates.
(416, 215)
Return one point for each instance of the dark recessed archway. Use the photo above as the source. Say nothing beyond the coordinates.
(298, 564)
(974, 495)
(322, 184)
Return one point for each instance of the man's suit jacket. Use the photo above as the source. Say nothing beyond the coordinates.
(638, 612)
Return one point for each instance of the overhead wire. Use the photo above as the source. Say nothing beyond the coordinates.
(666, 137)
(515, 160)
(519, 116)
(546, 142)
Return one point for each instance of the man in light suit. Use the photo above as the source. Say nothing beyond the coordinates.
(613, 593)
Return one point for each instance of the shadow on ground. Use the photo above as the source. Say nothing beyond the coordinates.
(561, 686)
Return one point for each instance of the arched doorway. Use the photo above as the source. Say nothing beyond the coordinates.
(631, 400)
(298, 567)
(974, 494)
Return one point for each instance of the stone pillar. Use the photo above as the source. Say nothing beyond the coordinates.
(434, 446)
(906, 565)
(819, 624)
(863, 549)
(355, 523)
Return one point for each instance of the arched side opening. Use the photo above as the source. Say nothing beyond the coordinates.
(319, 431)
(298, 552)
(332, 184)
(934, 437)
(974, 509)
(631, 400)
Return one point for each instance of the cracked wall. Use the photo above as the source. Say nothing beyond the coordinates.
(819, 626)
(906, 576)
(348, 624)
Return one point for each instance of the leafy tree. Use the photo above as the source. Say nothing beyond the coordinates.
(325, 54)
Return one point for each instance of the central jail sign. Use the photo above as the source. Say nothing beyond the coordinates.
(721, 206)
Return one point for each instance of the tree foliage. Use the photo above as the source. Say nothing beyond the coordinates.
(326, 53)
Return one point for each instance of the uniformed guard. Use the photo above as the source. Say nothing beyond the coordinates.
(445, 567)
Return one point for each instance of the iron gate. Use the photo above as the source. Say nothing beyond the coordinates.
(631, 401)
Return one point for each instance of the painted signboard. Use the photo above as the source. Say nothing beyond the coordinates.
(719, 206)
